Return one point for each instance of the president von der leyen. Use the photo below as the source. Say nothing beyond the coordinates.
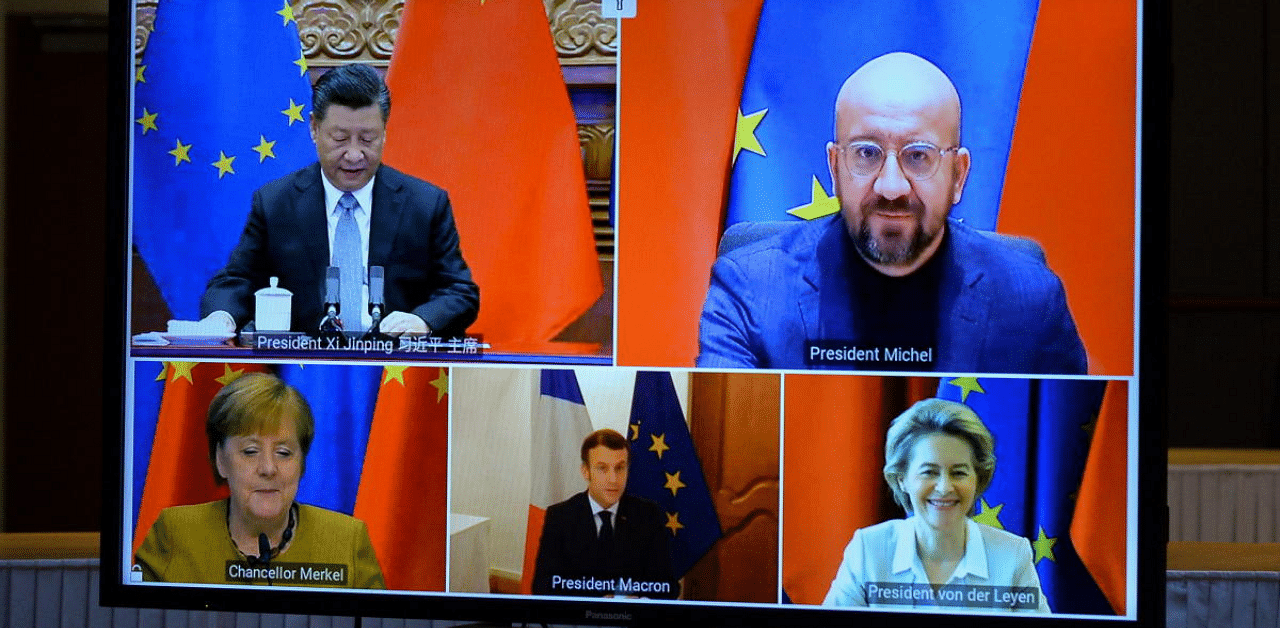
(891, 275)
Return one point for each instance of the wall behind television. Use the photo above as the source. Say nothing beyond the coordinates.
(1224, 310)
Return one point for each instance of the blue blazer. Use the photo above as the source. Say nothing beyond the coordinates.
(1001, 310)
(411, 234)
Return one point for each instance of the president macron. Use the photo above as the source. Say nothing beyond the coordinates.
(603, 542)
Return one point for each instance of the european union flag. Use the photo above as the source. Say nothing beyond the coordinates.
(805, 50)
(1042, 430)
(665, 469)
(220, 107)
(342, 399)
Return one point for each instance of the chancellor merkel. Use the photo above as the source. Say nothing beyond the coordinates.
(259, 430)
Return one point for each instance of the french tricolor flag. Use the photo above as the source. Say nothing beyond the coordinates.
(560, 422)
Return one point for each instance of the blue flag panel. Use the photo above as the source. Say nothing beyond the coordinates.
(1042, 429)
(665, 469)
(805, 50)
(342, 401)
(561, 384)
(221, 106)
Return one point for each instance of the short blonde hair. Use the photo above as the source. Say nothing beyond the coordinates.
(256, 403)
(936, 416)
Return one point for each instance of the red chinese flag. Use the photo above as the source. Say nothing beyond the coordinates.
(1070, 181)
(481, 110)
(835, 454)
(681, 79)
(179, 472)
(402, 486)
(834, 473)
(1099, 528)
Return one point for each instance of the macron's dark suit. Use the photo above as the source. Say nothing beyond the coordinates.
(1000, 309)
(411, 235)
(569, 548)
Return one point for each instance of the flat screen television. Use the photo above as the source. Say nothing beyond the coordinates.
(755, 312)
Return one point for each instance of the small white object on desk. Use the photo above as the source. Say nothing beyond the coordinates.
(197, 333)
(272, 307)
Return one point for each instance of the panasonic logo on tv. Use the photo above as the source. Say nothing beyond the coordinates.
(599, 615)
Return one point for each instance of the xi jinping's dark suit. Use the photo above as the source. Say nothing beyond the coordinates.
(411, 235)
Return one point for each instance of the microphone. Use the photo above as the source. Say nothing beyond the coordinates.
(332, 299)
(264, 554)
(377, 279)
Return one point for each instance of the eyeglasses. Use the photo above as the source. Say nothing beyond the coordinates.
(918, 160)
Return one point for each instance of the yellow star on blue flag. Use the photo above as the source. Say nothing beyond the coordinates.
(264, 149)
(1043, 547)
(820, 204)
(989, 515)
(1040, 457)
(286, 13)
(966, 385)
(744, 136)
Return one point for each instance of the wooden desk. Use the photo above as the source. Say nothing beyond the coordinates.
(48, 545)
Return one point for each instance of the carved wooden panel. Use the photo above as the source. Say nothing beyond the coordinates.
(581, 33)
(596, 140)
(337, 31)
(333, 31)
(145, 18)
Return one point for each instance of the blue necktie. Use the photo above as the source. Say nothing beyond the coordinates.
(348, 257)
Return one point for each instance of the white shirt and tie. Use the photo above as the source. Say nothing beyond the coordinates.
(333, 215)
(361, 213)
(596, 510)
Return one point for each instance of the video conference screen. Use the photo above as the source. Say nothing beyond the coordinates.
(598, 312)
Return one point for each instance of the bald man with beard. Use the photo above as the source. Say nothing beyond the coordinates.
(891, 282)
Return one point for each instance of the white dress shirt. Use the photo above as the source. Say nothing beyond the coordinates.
(886, 553)
(364, 205)
(596, 509)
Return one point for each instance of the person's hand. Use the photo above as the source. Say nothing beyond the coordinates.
(397, 323)
(219, 321)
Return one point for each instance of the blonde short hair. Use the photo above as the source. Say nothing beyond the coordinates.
(256, 403)
(936, 416)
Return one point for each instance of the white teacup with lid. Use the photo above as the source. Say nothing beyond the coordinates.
(272, 307)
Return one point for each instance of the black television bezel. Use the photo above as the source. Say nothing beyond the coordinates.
(1152, 512)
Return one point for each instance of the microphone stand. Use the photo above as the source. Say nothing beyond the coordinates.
(330, 323)
(377, 280)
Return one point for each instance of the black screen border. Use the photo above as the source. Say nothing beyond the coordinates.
(1152, 511)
